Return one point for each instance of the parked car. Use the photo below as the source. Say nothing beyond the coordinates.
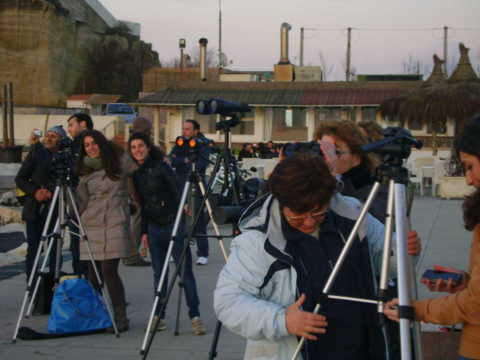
(122, 110)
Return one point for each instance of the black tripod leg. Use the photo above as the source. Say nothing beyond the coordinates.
(213, 348)
(181, 285)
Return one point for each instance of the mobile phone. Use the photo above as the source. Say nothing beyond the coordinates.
(434, 275)
(37, 133)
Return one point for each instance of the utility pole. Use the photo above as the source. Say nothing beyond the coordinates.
(302, 37)
(445, 49)
(5, 115)
(220, 34)
(349, 55)
(10, 110)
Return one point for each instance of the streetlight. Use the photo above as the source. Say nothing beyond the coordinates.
(182, 43)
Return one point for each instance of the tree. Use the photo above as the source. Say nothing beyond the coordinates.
(326, 68)
(193, 60)
(414, 66)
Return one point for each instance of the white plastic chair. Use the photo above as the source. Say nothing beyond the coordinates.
(427, 172)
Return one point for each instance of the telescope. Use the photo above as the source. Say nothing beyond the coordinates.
(222, 107)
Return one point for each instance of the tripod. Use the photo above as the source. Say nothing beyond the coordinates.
(397, 177)
(64, 200)
(225, 158)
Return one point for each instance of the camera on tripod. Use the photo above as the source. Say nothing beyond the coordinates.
(396, 146)
(223, 108)
(63, 162)
(191, 146)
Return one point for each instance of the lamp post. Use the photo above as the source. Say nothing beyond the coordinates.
(182, 43)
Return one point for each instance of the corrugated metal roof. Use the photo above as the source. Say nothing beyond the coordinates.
(283, 94)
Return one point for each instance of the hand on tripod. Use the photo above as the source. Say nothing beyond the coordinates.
(42, 195)
(302, 323)
(414, 243)
(391, 310)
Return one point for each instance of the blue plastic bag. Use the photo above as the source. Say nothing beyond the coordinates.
(77, 307)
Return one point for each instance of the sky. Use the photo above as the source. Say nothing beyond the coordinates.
(385, 34)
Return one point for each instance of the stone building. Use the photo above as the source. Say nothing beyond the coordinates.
(51, 49)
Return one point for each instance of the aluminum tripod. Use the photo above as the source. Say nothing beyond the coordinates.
(64, 200)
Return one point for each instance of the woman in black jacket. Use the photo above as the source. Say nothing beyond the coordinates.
(341, 142)
(158, 193)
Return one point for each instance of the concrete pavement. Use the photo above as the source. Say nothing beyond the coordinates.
(439, 223)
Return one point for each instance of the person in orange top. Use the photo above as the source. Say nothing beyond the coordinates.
(463, 303)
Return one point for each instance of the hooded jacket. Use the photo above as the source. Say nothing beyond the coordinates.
(259, 282)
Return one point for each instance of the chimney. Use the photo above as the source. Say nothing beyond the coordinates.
(203, 58)
(284, 70)
(284, 29)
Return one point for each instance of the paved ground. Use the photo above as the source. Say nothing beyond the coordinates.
(438, 221)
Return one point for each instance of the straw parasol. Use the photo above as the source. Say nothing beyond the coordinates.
(439, 99)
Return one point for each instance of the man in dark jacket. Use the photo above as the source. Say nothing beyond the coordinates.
(181, 164)
(77, 124)
(33, 178)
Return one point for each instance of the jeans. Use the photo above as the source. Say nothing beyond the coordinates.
(34, 237)
(201, 228)
(159, 238)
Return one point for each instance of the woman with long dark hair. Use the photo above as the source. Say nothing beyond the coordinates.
(463, 305)
(159, 194)
(103, 204)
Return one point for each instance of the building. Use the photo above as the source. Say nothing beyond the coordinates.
(95, 103)
(287, 104)
(281, 111)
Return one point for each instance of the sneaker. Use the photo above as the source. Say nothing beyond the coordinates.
(197, 326)
(162, 325)
(202, 260)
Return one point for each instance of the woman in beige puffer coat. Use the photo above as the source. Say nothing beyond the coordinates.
(103, 205)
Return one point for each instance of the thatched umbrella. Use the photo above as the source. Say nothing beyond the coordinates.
(390, 108)
(439, 99)
(459, 97)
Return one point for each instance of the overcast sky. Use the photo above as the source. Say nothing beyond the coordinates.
(251, 30)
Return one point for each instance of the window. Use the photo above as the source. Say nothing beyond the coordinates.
(369, 114)
(246, 125)
(441, 127)
(289, 125)
(415, 123)
(326, 114)
(207, 122)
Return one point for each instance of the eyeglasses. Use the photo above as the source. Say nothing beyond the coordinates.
(318, 216)
(341, 152)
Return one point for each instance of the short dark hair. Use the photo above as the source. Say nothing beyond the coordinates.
(467, 142)
(82, 117)
(302, 182)
(196, 125)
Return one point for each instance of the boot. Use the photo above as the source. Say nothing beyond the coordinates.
(121, 319)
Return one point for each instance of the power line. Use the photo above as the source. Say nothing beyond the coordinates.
(393, 29)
